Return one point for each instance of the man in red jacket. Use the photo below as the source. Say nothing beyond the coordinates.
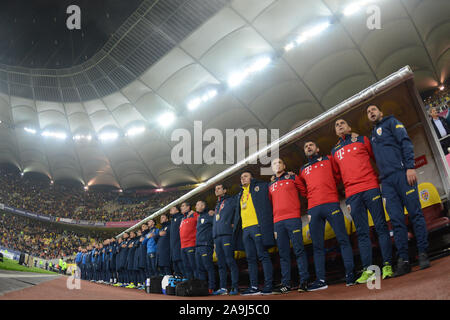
(352, 156)
(283, 194)
(188, 235)
(317, 183)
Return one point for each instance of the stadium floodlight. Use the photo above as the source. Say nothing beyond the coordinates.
(52, 134)
(289, 46)
(259, 65)
(354, 7)
(159, 190)
(108, 136)
(30, 130)
(79, 137)
(306, 35)
(194, 103)
(166, 119)
(135, 131)
(236, 78)
(86, 188)
(441, 87)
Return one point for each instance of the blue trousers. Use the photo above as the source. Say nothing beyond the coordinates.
(190, 266)
(332, 213)
(178, 268)
(254, 250)
(399, 194)
(225, 257)
(151, 263)
(290, 230)
(204, 257)
(359, 204)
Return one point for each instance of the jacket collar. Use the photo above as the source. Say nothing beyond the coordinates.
(314, 158)
(346, 137)
(280, 177)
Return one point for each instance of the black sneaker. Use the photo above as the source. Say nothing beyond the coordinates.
(317, 285)
(303, 286)
(403, 267)
(424, 262)
(281, 289)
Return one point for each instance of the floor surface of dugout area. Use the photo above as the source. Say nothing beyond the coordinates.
(429, 284)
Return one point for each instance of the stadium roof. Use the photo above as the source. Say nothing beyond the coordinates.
(231, 64)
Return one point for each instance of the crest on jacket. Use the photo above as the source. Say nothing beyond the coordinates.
(379, 131)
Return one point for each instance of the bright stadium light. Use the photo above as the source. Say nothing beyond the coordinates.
(441, 87)
(289, 46)
(57, 135)
(80, 137)
(166, 119)
(236, 78)
(135, 131)
(355, 7)
(306, 35)
(108, 136)
(30, 130)
(159, 190)
(194, 103)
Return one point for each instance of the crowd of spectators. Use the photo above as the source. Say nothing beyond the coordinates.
(71, 201)
(40, 239)
(439, 99)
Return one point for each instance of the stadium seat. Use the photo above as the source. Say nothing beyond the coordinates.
(432, 207)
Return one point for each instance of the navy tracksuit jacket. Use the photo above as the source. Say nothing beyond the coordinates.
(394, 154)
(222, 233)
(205, 247)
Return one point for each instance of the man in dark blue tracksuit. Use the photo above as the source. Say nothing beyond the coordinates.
(89, 253)
(131, 261)
(150, 243)
(254, 220)
(163, 245)
(394, 155)
(175, 242)
(141, 257)
(204, 245)
(122, 260)
(95, 262)
(112, 259)
(223, 240)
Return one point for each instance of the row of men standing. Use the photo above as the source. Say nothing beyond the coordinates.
(263, 214)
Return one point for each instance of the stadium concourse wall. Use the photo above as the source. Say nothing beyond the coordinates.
(397, 94)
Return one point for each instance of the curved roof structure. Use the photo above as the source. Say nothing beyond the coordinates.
(271, 64)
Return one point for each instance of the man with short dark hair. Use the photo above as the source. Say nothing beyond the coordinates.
(162, 239)
(223, 240)
(188, 233)
(394, 155)
(352, 156)
(316, 182)
(204, 245)
(175, 244)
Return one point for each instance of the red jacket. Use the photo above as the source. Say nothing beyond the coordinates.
(188, 231)
(352, 156)
(283, 194)
(316, 181)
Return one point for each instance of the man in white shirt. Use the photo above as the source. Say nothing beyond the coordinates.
(441, 128)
